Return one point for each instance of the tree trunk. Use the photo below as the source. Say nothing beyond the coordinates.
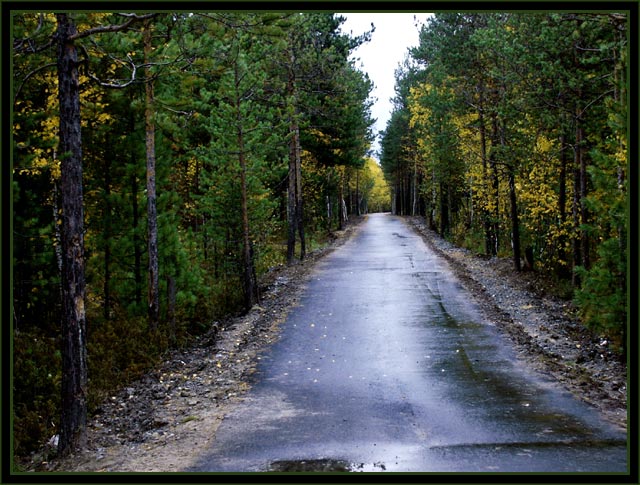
(342, 209)
(562, 205)
(584, 213)
(137, 244)
(249, 283)
(489, 245)
(434, 200)
(299, 200)
(137, 250)
(57, 220)
(444, 209)
(152, 216)
(250, 290)
(513, 202)
(294, 199)
(515, 227)
(495, 223)
(575, 210)
(73, 433)
(291, 198)
(414, 202)
(106, 236)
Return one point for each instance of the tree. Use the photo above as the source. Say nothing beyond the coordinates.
(74, 352)
(152, 215)
(243, 128)
(532, 102)
(204, 100)
(319, 83)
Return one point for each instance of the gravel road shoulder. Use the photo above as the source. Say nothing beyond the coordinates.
(165, 420)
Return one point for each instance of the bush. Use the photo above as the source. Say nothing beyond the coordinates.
(37, 367)
(602, 297)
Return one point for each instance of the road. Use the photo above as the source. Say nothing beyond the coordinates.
(387, 365)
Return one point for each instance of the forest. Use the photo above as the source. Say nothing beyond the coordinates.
(162, 163)
(509, 134)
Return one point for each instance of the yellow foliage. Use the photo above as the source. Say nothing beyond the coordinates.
(380, 195)
(419, 111)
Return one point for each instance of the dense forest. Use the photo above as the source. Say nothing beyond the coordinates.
(509, 134)
(162, 163)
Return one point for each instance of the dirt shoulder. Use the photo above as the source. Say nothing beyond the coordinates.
(165, 421)
(541, 326)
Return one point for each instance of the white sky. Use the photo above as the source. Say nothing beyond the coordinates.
(394, 34)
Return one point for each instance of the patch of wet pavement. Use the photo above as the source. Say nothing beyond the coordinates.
(387, 365)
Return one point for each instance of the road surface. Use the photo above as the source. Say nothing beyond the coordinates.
(387, 365)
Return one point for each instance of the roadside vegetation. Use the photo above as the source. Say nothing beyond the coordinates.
(161, 163)
(509, 135)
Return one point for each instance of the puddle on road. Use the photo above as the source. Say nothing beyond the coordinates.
(324, 465)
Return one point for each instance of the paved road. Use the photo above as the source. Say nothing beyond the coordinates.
(387, 366)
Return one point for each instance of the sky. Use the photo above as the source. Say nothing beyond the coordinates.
(394, 34)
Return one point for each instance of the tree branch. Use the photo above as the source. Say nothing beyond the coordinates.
(133, 18)
(112, 85)
(26, 78)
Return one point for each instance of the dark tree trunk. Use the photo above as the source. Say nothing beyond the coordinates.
(294, 199)
(328, 201)
(562, 206)
(249, 282)
(489, 245)
(581, 217)
(152, 215)
(495, 223)
(107, 238)
(73, 433)
(562, 181)
(575, 210)
(444, 209)
(513, 202)
(291, 198)
(341, 211)
(250, 288)
(584, 213)
(137, 244)
(137, 249)
(299, 199)
(515, 227)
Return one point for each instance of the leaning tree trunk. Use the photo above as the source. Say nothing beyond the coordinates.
(73, 433)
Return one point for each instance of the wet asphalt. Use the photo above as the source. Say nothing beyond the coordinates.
(387, 365)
